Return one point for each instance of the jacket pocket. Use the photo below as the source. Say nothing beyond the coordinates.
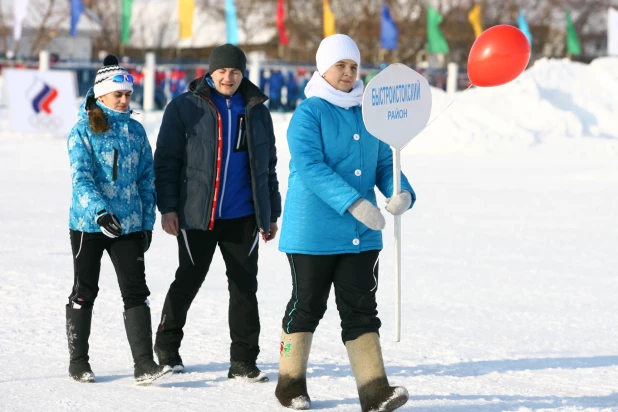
(240, 141)
(115, 166)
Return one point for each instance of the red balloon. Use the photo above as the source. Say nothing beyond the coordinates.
(498, 56)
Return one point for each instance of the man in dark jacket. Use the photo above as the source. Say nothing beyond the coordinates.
(217, 185)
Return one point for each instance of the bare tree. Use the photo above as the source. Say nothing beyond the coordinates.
(4, 32)
(361, 20)
(107, 14)
(51, 14)
(252, 16)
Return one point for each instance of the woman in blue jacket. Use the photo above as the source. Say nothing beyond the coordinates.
(331, 229)
(113, 210)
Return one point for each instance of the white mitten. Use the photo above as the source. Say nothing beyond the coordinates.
(366, 213)
(399, 203)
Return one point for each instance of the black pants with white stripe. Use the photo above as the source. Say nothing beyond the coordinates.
(238, 241)
(355, 278)
(127, 255)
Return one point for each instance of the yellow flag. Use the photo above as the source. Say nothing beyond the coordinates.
(185, 18)
(474, 17)
(329, 20)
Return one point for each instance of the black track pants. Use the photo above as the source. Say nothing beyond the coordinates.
(127, 255)
(355, 277)
(238, 241)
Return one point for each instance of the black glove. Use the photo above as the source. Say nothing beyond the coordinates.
(110, 226)
(147, 239)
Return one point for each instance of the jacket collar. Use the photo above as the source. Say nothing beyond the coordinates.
(112, 115)
(250, 93)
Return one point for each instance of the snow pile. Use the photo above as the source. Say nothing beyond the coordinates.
(551, 101)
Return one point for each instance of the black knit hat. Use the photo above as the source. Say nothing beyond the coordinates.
(227, 56)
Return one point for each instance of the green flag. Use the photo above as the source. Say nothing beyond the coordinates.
(435, 38)
(573, 46)
(125, 29)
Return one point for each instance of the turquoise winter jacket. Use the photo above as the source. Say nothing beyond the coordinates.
(334, 162)
(111, 171)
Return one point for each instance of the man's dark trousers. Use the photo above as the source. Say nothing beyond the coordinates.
(238, 242)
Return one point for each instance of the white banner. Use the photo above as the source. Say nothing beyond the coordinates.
(20, 9)
(41, 101)
(396, 105)
(612, 32)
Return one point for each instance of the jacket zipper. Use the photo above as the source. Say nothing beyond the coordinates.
(229, 149)
(241, 136)
(213, 208)
(115, 168)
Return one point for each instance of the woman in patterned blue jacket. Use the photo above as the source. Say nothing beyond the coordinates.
(113, 210)
(331, 229)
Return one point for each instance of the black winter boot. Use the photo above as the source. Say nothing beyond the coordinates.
(374, 391)
(171, 358)
(139, 332)
(291, 390)
(78, 332)
(246, 370)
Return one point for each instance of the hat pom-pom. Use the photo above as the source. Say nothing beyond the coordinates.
(110, 60)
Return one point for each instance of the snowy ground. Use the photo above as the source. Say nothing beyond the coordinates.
(509, 285)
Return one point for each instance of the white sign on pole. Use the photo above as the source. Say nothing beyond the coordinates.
(396, 107)
(41, 102)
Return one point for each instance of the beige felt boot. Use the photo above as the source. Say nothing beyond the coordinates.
(375, 394)
(291, 388)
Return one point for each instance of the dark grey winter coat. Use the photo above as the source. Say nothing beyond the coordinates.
(185, 159)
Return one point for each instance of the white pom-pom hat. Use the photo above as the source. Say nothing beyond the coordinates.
(103, 83)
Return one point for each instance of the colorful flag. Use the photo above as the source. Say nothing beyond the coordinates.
(612, 32)
(474, 17)
(125, 33)
(283, 36)
(185, 18)
(231, 22)
(523, 25)
(77, 7)
(20, 9)
(435, 39)
(388, 30)
(573, 46)
(328, 20)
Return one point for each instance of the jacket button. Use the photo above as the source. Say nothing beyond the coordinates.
(358, 172)
(356, 242)
(356, 136)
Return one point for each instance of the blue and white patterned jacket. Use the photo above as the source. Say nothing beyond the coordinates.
(112, 171)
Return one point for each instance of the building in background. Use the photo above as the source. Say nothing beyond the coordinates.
(46, 26)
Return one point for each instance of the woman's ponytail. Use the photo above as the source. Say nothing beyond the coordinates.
(98, 120)
(96, 117)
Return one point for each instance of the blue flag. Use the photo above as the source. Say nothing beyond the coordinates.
(231, 23)
(523, 25)
(388, 30)
(77, 7)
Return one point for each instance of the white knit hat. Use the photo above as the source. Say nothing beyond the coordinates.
(103, 83)
(335, 48)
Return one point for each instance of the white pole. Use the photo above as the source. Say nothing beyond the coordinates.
(451, 79)
(149, 82)
(254, 67)
(43, 60)
(396, 190)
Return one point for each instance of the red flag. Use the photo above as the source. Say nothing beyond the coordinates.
(283, 36)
